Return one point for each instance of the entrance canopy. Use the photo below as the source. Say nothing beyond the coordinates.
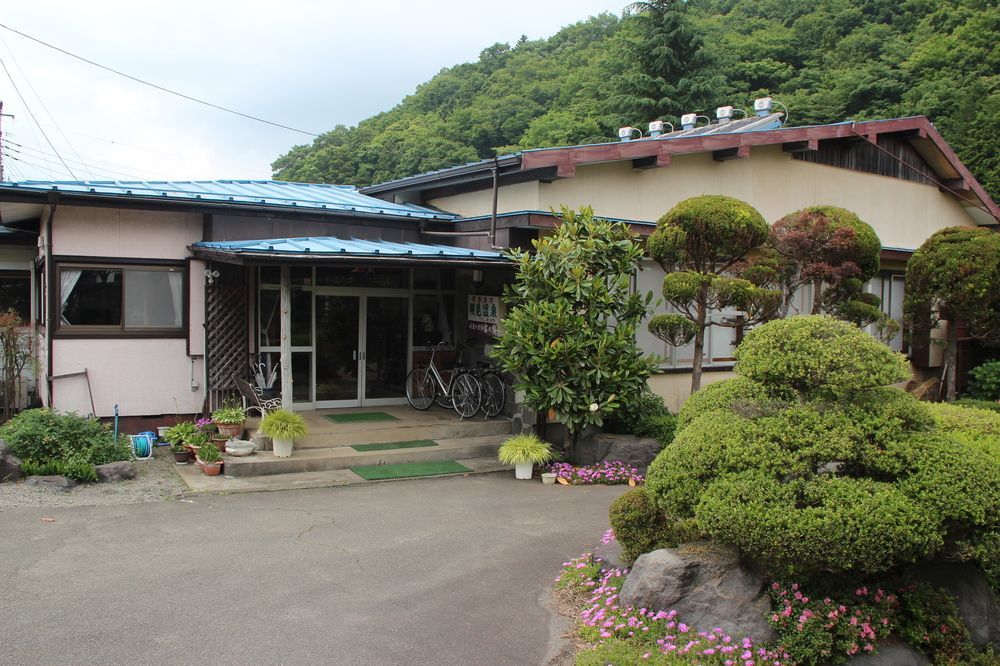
(322, 248)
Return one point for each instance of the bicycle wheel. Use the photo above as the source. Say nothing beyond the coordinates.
(466, 395)
(443, 399)
(420, 388)
(494, 393)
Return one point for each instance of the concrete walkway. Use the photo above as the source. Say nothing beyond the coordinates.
(452, 570)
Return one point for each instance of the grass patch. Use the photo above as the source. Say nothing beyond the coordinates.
(405, 470)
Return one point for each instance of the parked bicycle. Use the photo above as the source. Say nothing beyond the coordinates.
(462, 392)
(493, 388)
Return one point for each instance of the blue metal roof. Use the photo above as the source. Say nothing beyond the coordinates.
(271, 193)
(331, 246)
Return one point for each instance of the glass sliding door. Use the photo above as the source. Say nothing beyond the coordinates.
(338, 351)
(386, 347)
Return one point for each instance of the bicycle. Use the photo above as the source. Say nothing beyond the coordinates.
(463, 391)
(494, 390)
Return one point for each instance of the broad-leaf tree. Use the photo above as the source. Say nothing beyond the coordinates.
(955, 277)
(569, 335)
(701, 243)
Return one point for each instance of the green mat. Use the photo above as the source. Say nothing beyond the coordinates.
(404, 470)
(360, 417)
(412, 444)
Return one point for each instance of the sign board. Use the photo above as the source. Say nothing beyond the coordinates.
(484, 314)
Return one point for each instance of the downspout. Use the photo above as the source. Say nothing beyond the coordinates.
(496, 196)
(49, 301)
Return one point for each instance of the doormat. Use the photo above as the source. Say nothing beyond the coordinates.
(404, 470)
(386, 446)
(360, 417)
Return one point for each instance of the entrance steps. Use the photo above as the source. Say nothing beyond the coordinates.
(344, 457)
(327, 446)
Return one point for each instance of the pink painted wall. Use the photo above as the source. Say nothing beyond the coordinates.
(144, 377)
(107, 232)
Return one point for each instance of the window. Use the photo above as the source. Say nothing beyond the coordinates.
(889, 287)
(126, 299)
(15, 293)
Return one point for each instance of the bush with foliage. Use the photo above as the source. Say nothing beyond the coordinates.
(180, 433)
(524, 448)
(209, 453)
(644, 415)
(44, 436)
(569, 337)
(976, 403)
(810, 465)
(641, 527)
(230, 414)
(969, 421)
(984, 382)
(283, 424)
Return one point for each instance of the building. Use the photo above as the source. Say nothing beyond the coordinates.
(150, 296)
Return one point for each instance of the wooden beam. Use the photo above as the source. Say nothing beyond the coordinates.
(954, 185)
(651, 162)
(809, 145)
(737, 153)
(286, 338)
(566, 170)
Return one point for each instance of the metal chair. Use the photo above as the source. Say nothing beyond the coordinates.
(253, 398)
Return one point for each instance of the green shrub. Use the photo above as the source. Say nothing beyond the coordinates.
(975, 403)
(640, 527)
(43, 434)
(817, 357)
(824, 525)
(722, 396)
(80, 470)
(983, 548)
(231, 414)
(967, 420)
(283, 424)
(929, 621)
(524, 449)
(209, 453)
(984, 381)
(661, 428)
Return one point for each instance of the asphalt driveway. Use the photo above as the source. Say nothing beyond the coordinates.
(436, 571)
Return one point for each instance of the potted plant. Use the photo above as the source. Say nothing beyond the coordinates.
(524, 452)
(209, 459)
(181, 455)
(179, 433)
(283, 427)
(229, 419)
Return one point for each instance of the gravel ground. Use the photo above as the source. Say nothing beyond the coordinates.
(156, 481)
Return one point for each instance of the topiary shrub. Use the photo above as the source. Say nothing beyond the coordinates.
(641, 527)
(810, 466)
(45, 435)
(817, 358)
(976, 403)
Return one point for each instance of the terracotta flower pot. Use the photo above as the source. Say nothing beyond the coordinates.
(210, 469)
(230, 430)
(182, 457)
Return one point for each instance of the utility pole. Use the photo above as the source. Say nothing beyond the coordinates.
(2, 116)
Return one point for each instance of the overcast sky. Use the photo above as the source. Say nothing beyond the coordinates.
(309, 65)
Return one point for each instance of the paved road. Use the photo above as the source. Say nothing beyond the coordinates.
(434, 571)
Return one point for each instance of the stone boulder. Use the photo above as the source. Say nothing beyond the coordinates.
(10, 465)
(60, 483)
(891, 654)
(977, 604)
(115, 471)
(708, 585)
(595, 447)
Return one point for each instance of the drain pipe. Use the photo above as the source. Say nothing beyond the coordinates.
(496, 196)
(49, 302)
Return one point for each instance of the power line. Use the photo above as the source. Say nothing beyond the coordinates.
(32, 164)
(27, 79)
(93, 164)
(153, 85)
(31, 113)
(41, 154)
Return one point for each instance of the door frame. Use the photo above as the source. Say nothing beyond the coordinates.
(362, 294)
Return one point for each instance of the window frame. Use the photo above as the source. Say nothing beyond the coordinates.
(67, 331)
(24, 273)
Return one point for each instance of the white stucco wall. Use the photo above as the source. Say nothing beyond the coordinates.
(512, 198)
(109, 232)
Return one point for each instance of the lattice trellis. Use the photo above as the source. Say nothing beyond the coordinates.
(226, 334)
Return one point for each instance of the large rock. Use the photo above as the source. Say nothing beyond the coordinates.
(977, 604)
(594, 447)
(10, 465)
(891, 654)
(115, 471)
(60, 483)
(706, 584)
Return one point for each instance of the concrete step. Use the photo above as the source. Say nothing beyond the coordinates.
(343, 457)
(435, 425)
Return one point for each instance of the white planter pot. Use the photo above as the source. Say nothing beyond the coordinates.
(522, 470)
(283, 448)
(549, 478)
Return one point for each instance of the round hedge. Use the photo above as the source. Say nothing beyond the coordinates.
(824, 525)
(863, 249)
(817, 357)
(641, 527)
(721, 396)
(708, 228)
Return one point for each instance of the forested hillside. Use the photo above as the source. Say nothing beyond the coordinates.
(825, 60)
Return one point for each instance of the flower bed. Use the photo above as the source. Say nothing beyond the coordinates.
(609, 472)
